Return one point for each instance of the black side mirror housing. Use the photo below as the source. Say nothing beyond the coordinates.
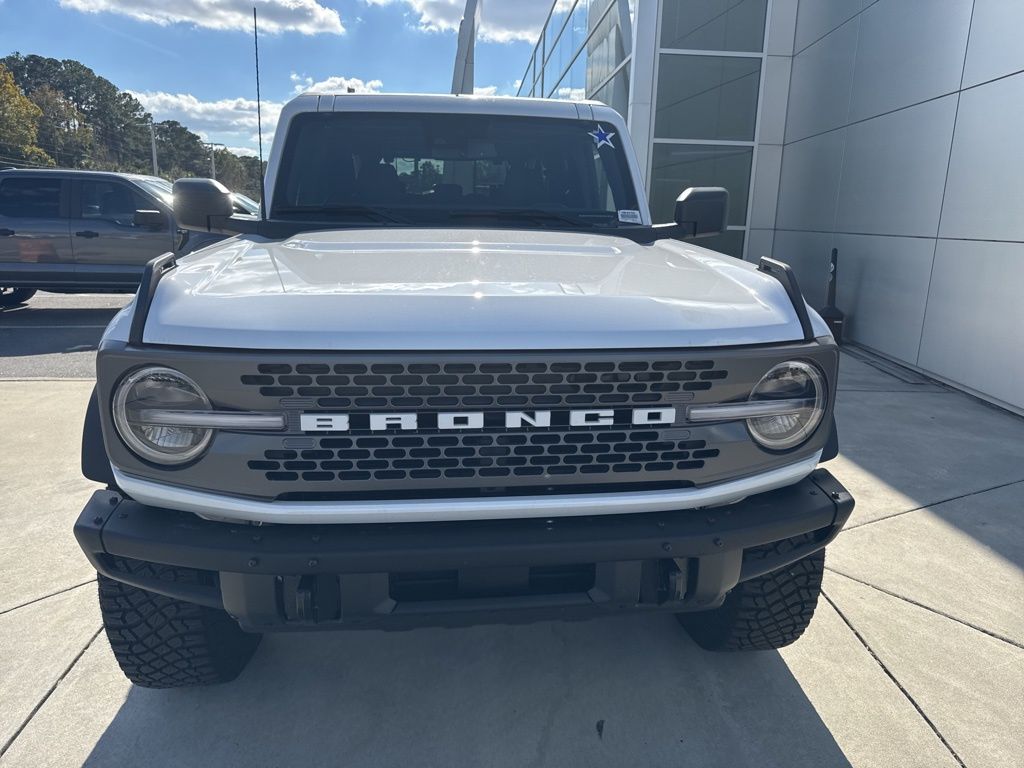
(197, 201)
(702, 211)
(149, 219)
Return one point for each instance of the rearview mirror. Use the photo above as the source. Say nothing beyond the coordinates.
(150, 220)
(196, 201)
(702, 211)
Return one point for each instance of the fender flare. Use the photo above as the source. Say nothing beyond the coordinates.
(95, 464)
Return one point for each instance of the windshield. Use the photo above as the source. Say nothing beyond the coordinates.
(245, 204)
(159, 188)
(413, 168)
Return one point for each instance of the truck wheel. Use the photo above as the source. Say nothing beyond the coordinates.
(12, 297)
(160, 642)
(764, 613)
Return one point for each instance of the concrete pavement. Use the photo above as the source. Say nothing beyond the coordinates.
(916, 657)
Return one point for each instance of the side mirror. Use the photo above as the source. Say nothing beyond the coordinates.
(703, 211)
(197, 201)
(154, 220)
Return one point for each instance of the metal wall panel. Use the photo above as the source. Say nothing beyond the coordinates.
(817, 18)
(984, 190)
(811, 171)
(972, 331)
(774, 99)
(995, 49)
(908, 51)
(766, 185)
(819, 95)
(883, 289)
(894, 171)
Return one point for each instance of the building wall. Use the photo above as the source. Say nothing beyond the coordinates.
(888, 129)
(898, 141)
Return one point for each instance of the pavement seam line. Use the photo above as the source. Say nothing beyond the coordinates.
(895, 681)
(7, 745)
(45, 597)
(943, 614)
(933, 504)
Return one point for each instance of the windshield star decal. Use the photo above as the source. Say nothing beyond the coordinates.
(602, 137)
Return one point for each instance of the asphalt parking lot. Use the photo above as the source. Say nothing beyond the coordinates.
(915, 656)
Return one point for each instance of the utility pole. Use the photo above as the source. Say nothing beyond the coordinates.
(462, 77)
(152, 144)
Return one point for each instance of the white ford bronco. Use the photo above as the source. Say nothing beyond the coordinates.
(453, 374)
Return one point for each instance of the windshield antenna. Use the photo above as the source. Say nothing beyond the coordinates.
(259, 115)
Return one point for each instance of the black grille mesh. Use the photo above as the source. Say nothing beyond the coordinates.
(484, 456)
(571, 384)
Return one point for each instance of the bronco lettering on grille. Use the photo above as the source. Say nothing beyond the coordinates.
(408, 421)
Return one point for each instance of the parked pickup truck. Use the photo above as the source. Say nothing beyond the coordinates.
(456, 375)
(78, 231)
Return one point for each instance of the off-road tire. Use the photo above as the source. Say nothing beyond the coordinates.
(12, 297)
(766, 612)
(160, 642)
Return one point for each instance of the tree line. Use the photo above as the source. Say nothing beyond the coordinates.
(59, 113)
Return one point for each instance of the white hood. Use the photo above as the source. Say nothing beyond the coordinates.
(434, 289)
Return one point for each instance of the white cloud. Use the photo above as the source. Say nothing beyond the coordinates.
(243, 151)
(231, 119)
(501, 21)
(306, 16)
(485, 90)
(335, 84)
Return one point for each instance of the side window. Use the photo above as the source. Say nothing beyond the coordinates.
(110, 201)
(36, 198)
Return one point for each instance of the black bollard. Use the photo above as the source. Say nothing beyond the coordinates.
(831, 314)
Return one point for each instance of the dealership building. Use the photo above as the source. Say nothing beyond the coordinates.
(891, 130)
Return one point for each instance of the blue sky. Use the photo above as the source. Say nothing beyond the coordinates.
(192, 60)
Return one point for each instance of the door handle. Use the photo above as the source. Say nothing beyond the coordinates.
(6, 232)
(87, 233)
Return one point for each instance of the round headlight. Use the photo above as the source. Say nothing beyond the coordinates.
(801, 389)
(146, 395)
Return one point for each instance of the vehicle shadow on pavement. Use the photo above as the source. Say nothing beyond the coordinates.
(620, 691)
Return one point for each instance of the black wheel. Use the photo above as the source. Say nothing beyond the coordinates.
(765, 613)
(12, 297)
(160, 642)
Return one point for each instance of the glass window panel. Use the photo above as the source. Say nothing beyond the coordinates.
(605, 50)
(573, 85)
(577, 29)
(713, 25)
(615, 93)
(30, 198)
(551, 32)
(110, 201)
(526, 85)
(706, 97)
(678, 166)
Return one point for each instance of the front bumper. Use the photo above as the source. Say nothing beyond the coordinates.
(453, 573)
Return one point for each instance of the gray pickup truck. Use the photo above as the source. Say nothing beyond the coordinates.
(79, 231)
(456, 375)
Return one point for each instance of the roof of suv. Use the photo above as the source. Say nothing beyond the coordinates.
(443, 102)
(77, 172)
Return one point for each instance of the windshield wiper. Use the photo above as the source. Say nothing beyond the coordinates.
(368, 211)
(530, 214)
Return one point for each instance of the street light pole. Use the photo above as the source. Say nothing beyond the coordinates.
(213, 163)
